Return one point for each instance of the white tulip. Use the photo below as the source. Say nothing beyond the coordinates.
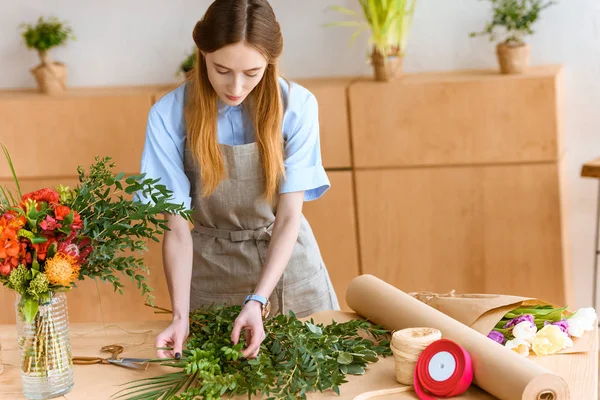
(568, 341)
(524, 331)
(583, 321)
(519, 346)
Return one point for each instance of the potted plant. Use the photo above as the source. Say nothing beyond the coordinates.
(516, 18)
(187, 65)
(50, 75)
(389, 22)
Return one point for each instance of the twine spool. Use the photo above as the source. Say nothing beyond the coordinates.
(407, 345)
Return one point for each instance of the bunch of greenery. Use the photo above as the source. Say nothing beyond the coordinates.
(46, 34)
(388, 20)
(516, 17)
(295, 358)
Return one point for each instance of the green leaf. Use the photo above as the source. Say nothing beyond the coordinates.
(344, 358)
(314, 329)
(30, 309)
(355, 369)
(39, 239)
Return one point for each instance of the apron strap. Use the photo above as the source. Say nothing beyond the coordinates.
(263, 233)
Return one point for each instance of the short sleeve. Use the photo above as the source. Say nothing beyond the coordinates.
(303, 165)
(162, 158)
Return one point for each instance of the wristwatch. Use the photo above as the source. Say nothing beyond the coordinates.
(265, 303)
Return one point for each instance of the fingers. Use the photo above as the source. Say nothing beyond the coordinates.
(235, 332)
(256, 337)
(162, 341)
(177, 347)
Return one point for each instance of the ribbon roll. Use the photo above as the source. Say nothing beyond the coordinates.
(444, 369)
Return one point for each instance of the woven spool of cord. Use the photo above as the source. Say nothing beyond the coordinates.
(407, 345)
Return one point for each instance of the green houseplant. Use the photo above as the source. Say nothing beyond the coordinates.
(187, 65)
(389, 23)
(515, 18)
(44, 35)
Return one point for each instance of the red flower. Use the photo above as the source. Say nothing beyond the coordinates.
(77, 222)
(60, 212)
(5, 269)
(48, 195)
(8, 265)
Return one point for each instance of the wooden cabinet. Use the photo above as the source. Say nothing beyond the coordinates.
(458, 182)
(440, 181)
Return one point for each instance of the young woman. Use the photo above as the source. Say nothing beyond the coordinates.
(240, 146)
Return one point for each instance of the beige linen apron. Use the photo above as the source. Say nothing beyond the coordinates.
(232, 229)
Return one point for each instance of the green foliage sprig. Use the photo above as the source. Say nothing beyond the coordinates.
(46, 34)
(295, 358)
(516, 17)
(116, 224)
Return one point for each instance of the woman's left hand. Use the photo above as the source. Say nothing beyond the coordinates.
(249, 319)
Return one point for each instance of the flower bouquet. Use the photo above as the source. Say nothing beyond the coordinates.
(53, 237)
(521, 324)
(544, 329)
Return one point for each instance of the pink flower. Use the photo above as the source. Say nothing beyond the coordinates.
(50, 224)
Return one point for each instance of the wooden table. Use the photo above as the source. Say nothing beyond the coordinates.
(101, 381)
(592, 170)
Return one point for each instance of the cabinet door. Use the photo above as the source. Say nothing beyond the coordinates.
(333, 119)
(457, 118)
(333, 221)
(49, 136)
(493, 229)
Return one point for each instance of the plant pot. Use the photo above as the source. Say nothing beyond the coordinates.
(386, 68)
(512, 59)
(46, 362)
(51, 77)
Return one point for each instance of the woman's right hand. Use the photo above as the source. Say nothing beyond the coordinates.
(174, 337)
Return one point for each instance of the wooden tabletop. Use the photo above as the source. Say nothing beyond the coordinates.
(101, 381)
(591, 169)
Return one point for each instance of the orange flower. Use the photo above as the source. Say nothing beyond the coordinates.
(62, 269)
(9, 247)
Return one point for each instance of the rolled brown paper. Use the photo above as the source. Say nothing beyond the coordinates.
(497, 370)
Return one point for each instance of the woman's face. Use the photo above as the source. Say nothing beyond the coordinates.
(234, 71)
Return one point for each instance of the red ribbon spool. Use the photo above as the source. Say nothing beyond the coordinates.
(444, 369)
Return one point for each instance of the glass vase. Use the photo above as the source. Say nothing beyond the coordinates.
(46, 363)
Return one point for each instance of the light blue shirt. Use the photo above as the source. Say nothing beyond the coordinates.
(162, 156)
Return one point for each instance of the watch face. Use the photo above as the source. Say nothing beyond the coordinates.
(266, 309)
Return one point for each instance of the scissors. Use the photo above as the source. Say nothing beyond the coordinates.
(115, 350)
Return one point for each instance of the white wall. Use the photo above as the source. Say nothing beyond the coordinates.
(130, 42)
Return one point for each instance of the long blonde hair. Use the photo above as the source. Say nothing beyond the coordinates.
(227, 22)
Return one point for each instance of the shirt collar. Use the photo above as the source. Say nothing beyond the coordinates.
(225, 108)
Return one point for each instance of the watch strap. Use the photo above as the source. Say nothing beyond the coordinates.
(262, 300)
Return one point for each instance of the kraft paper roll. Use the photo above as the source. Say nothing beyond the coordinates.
(497, 370)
